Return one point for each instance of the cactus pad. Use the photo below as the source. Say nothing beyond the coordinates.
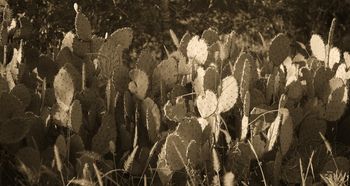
(197, 50)
(318, 47)
(13, 130)
(273, 132)
(167, 71)
(163, 170)
(76, 116)
(139, 84)
(111, 50)
(228, 94)
(121, 78)
(295, 90)
(10, 106)
(286, 133)
(198, 83)
(346, 56)
(80, 47)
(210, 36)
(337, 100)
(321, 78)
(47, 68)
(189, 129)
(279, 49)
(309, 131)
(211, 79)
(62, 146)
(106, 133)
(76, 147)
(207, 103)
(177, 111)
(239, 64)
(342, 72)
(64, 87)
(152, 113)
(83, 27)
(334, 57)
(68, 41)
(193, 153)
(184, 43)
(175, 152)
(22, 93)
(146, 62)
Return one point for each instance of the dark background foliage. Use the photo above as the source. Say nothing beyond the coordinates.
(298, 18)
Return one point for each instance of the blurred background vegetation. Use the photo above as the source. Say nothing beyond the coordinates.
(151, 19)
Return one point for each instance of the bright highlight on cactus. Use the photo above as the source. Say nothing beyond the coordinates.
(197, 50)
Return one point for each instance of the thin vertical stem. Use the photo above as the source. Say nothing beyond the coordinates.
(5, 55)
(83, 77)
(259, 162)
(330, 41)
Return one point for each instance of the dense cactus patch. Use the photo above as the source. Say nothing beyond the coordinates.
(209, 113)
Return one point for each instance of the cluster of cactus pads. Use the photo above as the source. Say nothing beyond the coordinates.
(209, 113)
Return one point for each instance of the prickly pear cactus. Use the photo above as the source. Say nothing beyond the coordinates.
(190, 129)
(210, 36)
(83, 26)
(175, 152)
(287, 132)
(207, 103)
(198, 82)
(47, 68)
(165, 74)
(65, 85)
(273, 132)
(228, 94)
(193, 153)
(22, 93)
(175, 112)
(107, 132)
(197, 50)
(139, 84)
(211, 79)
(76, 116)
(337, 100)
(11, 107)
(111, 51)
(322, 52)
(184, 43)
(61, 145)
(318, 47)
(153, 117)
(237, 70)
(13, 130)
(146, 62)
(279, 49)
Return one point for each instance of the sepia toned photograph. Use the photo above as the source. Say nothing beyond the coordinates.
(174, 92)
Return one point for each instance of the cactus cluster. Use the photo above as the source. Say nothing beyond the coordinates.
(209, 106)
